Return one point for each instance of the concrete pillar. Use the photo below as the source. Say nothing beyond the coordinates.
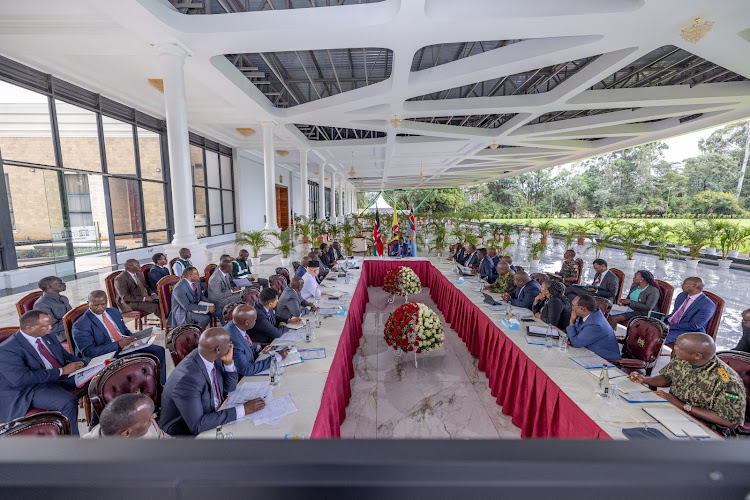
(269, 175)
(322, 193)
(333, 196)
(303, 189)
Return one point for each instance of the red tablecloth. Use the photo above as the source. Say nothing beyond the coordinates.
(536, 405)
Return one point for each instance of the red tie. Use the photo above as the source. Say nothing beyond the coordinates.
(111, 328)
(47, 355)
(247, 337)
(216, 386)
(195, 289)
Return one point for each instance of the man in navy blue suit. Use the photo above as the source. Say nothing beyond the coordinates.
(486, 267)
(158, 270)
(34, 369)
(589, 328)
(692, 310)
(101, 330)
(267, 326)
(196, 387)
(245, 351)
(525, 292)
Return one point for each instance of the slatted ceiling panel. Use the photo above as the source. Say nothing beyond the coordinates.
(436, 55)
(198, 7)
(116, 110)
(75, 95)
(566, 115)
(23, 75)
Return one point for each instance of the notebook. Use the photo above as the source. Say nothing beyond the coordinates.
(590, 362)
(541, 331)
(138, 345)
(619, 310)
(642, 397)
(677, 422)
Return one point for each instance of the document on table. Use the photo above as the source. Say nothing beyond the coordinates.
(292, 337)
(328, 311)
(334, 302)
(614, 374)
(295, 326)
(250, 390)
(522, 313)
(292, 358)
(497, 308)
(677, 423)
(315, 353)
(274, 412)
(541, 331)
(590, 362)
(619, 310)
(88, 372)
(642, 397)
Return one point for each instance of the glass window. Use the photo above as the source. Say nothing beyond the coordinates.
(226, 172)
(157, 238)
(227, 199)
(216, 230)
(212, 169)
(149, 152)
(10, 204)
(25, 131)
(201, 217)
(118, 144)
(125, 198)
(79, 138)
(154, 205)
(196, 160)
(214, 206)
(79, 200)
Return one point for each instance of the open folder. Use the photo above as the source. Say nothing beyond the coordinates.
(677, 422)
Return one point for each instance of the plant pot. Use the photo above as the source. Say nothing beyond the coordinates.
(507, 239)
(724, 263)
(710, 251)
(534, 264)
(691, 264)
(733, 254)
(629, 264)
(254, 261)
(543, 239)
(285, 261)
(581, 241)
(319, 239)
(305, 240)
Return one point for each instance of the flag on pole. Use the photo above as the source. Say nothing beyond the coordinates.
(412, 234)
(377, 246)
(394, 233)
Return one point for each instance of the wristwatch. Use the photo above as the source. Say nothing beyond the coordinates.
(687, 407)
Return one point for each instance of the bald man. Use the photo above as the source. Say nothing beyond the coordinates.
(291, 304)
(692, 310)
(700, 383)
(245, 351)
(196, 388)
(504, 282)
(525, 292)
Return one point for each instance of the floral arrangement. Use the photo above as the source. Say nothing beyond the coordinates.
(414, 326)
(402, 281)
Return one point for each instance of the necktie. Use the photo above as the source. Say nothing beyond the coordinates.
(216, 387)
(195, 289)
(597, 279)
(111, 329)
(226, 280)
(270, 317)
(47, 355)
(247, 337)
(676, 317)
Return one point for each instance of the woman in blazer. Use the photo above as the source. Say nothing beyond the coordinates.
(642, 298)
(551, 306)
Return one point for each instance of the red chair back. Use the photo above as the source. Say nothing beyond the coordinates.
(136, 373)
(164, 291)
(172, 261)
(666, 291)
(740, 362)
(6, 332)
(580, 271)
(644, 339)
(229, 309)
(604, 305)
(109, 283)
(277, 282)
(145, 268)
(252, 295)
(68, 320)
(38, 424)
(283, 271)
(209, 270)
(26, 303)
(182, 341)
(621, 276)
(713, 324)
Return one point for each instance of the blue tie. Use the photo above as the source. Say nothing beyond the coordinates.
(270, 316)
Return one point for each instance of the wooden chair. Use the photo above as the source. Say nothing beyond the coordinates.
(172, 261)
(580, 271)
(229, 309)
(182, 341)
(666, 291)
(6, 332)
(605, 305)
(68, 320)
(740, 362)
(251, 295)
(277, 282)
(621, 276)
(643, 342)
(209, 270)
(26, 303)
(37, 424)
(164, 291)
(145, 268)
(713, 324)
(136, 373)
(135, 314)
(283, 271)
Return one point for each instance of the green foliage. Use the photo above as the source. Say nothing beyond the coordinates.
(713, 203)
(537, 249)
(285, 242)
(255, 240)
(695, 235)
(629, 236)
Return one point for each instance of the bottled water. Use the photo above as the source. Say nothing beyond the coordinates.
(308, 332)
(562, 344)
(604, 388)
(273, 370)
(219, 433)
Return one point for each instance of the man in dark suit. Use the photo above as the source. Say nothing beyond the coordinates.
(589, 328)
(459, 253)
(302, 265)
(186, 302)
(53, 303)
(486, 267)
(608, 282)
(492, 254)
(291, 304)
(472, 259)
(101, 330)
(245, 351)
(268, 326)
(525, 292)
(132, 292)
(196, 387)
(692, 311)
(34, 371)
(158, 270)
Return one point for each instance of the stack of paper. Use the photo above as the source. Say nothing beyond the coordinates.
(292, 358)
(677, 423)
(642, 397)
(619, 310)
(590, 362)
(88, 372)
(274, 412)
(250, 390)
(292, 337)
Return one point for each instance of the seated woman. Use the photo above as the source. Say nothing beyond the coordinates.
(551, 306)
(325, 255)
(642, 298)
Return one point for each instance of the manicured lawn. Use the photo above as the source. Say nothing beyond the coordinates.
(567, 222)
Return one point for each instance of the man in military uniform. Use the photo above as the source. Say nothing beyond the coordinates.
(700, 383)
(569, 272)
(504, 282)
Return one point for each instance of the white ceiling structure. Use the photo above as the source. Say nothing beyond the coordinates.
(547, 81)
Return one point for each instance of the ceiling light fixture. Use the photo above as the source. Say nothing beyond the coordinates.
(245, 131)
(697, 30)
(395, 121)
(493, 145)
(352, 172)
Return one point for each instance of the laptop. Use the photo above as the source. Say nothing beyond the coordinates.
(491, 301)
(465, 271)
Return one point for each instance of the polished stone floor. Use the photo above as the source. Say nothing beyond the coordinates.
(444, 397)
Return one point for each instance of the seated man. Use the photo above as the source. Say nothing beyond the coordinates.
(53, 304)
(399, 249)
(310, 287)
(129, 416)
(570, 269)
(492, 253)
(336, 251)
(509, 260)
(525, 292)
(472, 259)
(158, 270)
(700, 383)
(132, 292)
(222, 289)
(291, 304)
(607, 282)
(589, 328)
(692, 310)
(183, 262)
(504, 283)
(301, 270)
(267, 326)
(744, 343)
(101, 329)
(241, 272)
(34, 371)
(326, 257)
(186, 302)
(324, 270)
(196, 387)
(245, 352)
(486, 267)
(459, 253)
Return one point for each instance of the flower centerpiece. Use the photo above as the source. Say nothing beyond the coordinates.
(414, 327)
(401, 280)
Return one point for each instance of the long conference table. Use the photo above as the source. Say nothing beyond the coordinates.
(545, 393)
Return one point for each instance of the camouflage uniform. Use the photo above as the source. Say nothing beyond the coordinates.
(569, 270)
(713, 386)
(504, 283)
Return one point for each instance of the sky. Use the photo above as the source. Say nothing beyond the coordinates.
(686, 146)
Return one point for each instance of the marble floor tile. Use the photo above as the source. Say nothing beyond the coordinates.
(503, 425)
(360, 421)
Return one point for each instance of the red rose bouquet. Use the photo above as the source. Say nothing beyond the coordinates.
(414, 326)
(401, 281)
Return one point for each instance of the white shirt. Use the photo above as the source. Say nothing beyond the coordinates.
(101, 320)
(230, 368)
(310, 288)
(32, 341)
(601, 277)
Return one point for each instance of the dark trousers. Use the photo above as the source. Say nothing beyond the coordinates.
(157, 351)
(55, 397)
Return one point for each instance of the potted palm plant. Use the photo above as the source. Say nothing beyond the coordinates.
(545, 228)
(600, 226)
(256, 240)
(599, 243)
(729, 235)
(659, 237)
(694, 235)
(439, 234)
(284, 246)
(536, 250)
(580, 231)
(629, 237)
(304, 230)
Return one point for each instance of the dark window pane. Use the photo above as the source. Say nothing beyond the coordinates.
(196, 161)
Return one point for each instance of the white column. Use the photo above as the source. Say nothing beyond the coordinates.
(269, 174)
(303, 189)
(173, 59)
(342, 198)
(333, 196)
(322, 193)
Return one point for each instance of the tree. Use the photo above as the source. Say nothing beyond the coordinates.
(711, 202)
(733, 141)
(710, 172)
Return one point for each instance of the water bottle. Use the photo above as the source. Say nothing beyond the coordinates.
(549, 338)
(219, 433)
(508, 309)
(273, 370)
(562, 344)
(308, 332)
(604, 388)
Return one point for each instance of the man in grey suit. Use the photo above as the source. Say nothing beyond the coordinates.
(222, 290)
(53, 304)
(606, 280)
(186, 298)
(291, 304)
(195, 389)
